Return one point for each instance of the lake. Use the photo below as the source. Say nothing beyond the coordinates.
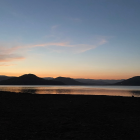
(76, 90)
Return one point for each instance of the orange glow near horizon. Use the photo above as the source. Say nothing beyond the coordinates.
(98, 76)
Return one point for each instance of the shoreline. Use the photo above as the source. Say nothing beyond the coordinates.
(58, 116)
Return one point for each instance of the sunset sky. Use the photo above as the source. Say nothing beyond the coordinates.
(96, 39)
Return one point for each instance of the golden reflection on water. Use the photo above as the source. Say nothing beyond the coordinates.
(76, 90)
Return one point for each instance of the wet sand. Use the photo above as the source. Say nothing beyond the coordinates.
(65, 117)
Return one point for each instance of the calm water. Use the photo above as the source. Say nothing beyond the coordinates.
(84, 90)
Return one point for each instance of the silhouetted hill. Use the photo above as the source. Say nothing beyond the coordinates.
(69, 81)
(91, 82)
(99, 81)
(113, 81)
(29, 79)
(134, 81)
(3, 77)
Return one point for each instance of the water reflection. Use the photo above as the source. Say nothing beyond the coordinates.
(78, 90)
(26, 90)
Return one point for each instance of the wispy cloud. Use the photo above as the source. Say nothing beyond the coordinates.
(75, 19)
(64, 44)
(53, 32)
(54, 26)
(67, 47)
(103, 41)
(8, 53)
(13, 53)
(10, 57)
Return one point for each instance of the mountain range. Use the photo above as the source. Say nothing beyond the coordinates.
(69, 81)
(3, 77)
(76, 82)
(92, 81)
(31, 79)
(134, 81)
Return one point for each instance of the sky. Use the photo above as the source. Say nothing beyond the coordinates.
(96, 39)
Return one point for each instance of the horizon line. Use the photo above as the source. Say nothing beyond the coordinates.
(66, 77)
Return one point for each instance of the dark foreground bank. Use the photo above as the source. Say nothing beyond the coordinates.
(65, 117)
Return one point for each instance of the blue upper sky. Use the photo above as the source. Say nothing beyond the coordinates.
(75, 38)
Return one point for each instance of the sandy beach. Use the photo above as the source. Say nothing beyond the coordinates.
(65, 117)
